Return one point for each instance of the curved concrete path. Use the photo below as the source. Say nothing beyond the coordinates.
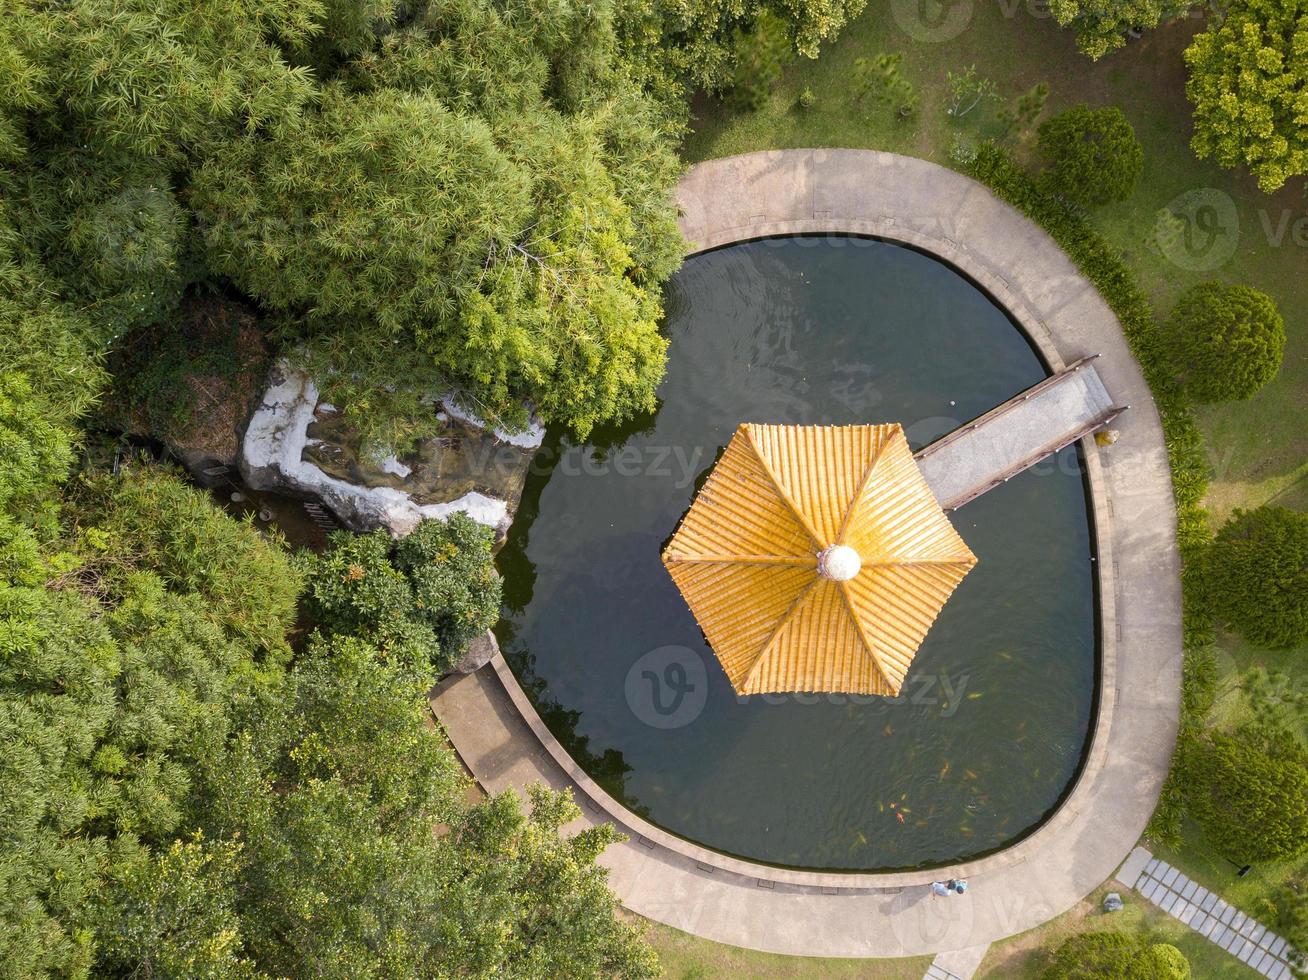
(504, 743)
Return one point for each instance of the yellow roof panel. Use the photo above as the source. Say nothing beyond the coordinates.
(816, 558)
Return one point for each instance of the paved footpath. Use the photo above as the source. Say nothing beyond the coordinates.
(1203, 911)
(957, 964)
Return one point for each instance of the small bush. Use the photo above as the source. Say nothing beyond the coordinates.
(880, 79)
(451, 568)
(1258, 576)
(1225, 342)
(1094, 156)
(807, 99)
(420, 600)
(761, 56)
(1116, 956)
(1249, 792)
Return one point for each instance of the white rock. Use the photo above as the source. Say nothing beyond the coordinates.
(530, 438)
(272, 458)
(392, 465)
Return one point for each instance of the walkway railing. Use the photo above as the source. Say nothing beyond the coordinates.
(1047, 417)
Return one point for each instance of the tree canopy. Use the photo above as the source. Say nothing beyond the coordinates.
(1258, 576)
(1226, 342)
(1249, 86)
(1102, 25)
(1093, 154)
(1249, 792)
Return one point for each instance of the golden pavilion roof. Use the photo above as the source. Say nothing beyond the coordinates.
(816, 558)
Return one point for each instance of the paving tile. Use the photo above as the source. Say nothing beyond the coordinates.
(1247, 929)
(1258, 933)
(1230, 939)
(1247, 950)
(1278, 947)
(1159, 894)
(1208, 902)
(1152, 865)
(1171, 876)
(1219, 933)
(1259, 956)
(1238, 922)
(1190, 888)
(1149, 888)
(1202, 921)
(1224, 912)
(1184, 911)
(1169, 900)
(1280, 971)
(1201, 896)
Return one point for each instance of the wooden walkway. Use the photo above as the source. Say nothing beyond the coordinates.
(1018, 434)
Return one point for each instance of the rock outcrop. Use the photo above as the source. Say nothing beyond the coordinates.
(295, 443)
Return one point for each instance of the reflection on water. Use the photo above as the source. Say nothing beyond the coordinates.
(990, 727)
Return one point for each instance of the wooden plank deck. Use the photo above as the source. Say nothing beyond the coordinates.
(1048, 416)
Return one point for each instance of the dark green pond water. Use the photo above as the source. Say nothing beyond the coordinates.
(991, 724)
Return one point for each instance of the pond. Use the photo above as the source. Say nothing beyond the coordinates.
(991, 725)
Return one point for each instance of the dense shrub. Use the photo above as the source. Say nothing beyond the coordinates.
(1116, 956)
(1258, 574)
(1093, 155)
(1226, 341)
(1249, 792)
(419, 600)
(450, 566)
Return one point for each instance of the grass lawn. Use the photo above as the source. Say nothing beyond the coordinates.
(687, 957)
(1258, 449)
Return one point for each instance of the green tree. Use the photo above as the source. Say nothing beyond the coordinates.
(343, 875)
(1116, 956)
(1225, 342)
(35, 452)
(1258, 576)
(1248, 83)
(420, 600)
(1249, 792)
(451, 566)
(678, 46)
(506, 256)
(1102, 25)
(1093, 155)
